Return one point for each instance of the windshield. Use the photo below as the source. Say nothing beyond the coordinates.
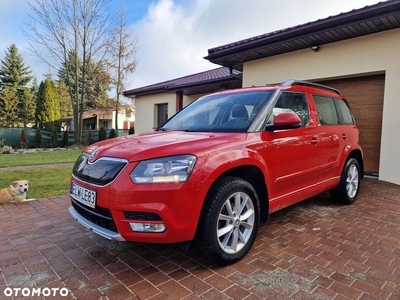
(219, 113)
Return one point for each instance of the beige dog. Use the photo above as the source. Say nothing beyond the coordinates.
(15, 192)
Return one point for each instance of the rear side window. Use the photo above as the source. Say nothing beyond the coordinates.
(346, 117)
(326, 110)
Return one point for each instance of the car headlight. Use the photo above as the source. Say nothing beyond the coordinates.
(165, 169)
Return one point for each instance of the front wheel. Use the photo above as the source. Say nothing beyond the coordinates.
(347, 190)
(229, 221)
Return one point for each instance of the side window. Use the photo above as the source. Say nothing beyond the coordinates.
(346, 117)
(326, 110)
(292, 102)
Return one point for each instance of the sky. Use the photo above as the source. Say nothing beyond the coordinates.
(173, 36)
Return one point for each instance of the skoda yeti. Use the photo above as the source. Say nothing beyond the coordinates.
(219, 167)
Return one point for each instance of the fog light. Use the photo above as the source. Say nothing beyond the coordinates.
(147, 227)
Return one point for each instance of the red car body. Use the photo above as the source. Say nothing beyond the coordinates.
(285, 164)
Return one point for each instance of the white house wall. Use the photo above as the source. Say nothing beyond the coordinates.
(146, 114)
(377, 53)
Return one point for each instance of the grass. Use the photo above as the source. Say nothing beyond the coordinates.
(39, 158)
(45, 182)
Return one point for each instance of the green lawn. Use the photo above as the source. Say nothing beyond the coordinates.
(39, 158)
(45, 182)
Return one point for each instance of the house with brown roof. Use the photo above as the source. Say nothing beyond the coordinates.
(157, 102)
(357, 52)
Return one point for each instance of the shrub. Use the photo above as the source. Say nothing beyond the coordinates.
(4, 149)
(88, 139)
(102, 134)
(64, 141)
(112, 134)
(131, 130)
(53, 138)
(23, 140)
(38, 138)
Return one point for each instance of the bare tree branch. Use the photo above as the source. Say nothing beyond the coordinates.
(59, 28)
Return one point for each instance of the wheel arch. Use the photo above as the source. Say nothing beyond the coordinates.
(255, 177)
(357, 154)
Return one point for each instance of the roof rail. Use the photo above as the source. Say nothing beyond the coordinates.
(291, 82)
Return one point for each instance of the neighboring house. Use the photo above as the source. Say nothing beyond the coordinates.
(157, 102)
(357, 52)
(95, 119)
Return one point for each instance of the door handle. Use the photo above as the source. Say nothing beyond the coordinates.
(314, 141)
(344, 136)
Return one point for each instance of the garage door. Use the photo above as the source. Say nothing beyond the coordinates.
(365, 95)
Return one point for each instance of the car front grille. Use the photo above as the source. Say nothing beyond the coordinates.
(99, 216)
(101, 172)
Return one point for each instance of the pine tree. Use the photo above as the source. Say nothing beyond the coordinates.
(48, 105)
(8, 107)
(13, 72)
(27, 111)
(15, 75)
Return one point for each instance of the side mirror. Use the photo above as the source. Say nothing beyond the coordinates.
(286, 120)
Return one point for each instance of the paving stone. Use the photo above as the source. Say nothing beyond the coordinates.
(315, 249)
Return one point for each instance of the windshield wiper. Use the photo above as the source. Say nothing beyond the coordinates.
(162, 129)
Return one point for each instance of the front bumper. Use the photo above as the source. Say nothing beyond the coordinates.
(123, 206)
(108, 234)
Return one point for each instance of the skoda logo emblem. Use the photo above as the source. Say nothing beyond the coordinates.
(93, 155)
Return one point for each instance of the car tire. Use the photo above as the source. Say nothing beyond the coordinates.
(229, 221)
(347, 190)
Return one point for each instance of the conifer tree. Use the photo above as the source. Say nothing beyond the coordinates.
(8, 106)
(27, 111)
(48, 105)
(15, 76)
(13, 72)
(65, 98)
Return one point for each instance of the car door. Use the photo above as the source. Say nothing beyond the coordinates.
(332, 136)
(292, 156)
(336, 129)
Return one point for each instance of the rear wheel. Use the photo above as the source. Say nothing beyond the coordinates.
(229, 221)
(347, 190)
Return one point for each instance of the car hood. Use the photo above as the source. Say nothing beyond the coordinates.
(163, 143)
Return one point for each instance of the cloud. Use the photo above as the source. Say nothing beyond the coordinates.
(174, 36)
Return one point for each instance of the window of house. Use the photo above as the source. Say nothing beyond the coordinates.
(162, 114)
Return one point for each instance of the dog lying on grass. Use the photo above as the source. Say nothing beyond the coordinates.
(16, 192)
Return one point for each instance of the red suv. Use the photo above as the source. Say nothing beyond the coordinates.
(219, 167)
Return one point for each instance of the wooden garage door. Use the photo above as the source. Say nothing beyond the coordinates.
(365, 95)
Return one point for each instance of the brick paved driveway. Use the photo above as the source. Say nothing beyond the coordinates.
(313, 250)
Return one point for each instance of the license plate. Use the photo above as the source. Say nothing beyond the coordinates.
(83, 195)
